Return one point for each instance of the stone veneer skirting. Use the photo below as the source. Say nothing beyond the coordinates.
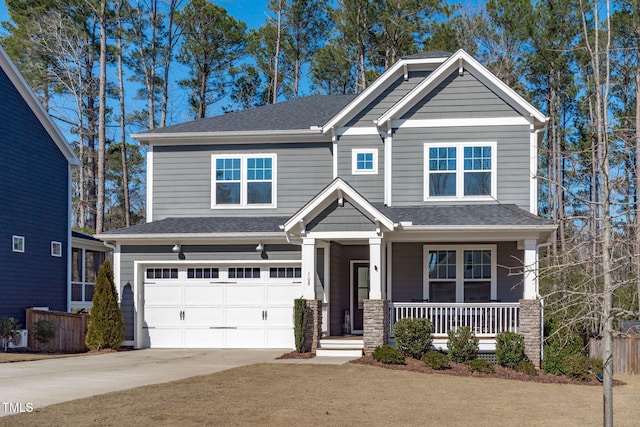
(376, 324)
(313, 331)
(530, 328)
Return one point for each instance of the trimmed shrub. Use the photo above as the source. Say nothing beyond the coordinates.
(527, 368)
(413, 336)
(106, 324)
(299, 323)
(577, 366)
(509, 349)
(480, 365)
(462, 344)
(388, 355)
(44, 331)
(436, 360)
(9, 330)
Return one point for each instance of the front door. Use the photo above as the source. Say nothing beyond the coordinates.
(360, 292)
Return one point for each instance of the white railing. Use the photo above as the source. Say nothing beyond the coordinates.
(484, 319)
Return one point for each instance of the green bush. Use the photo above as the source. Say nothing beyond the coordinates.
(509, 349)
(527, 368)
(413, 336)
(299, 323)
(9, 330)
(106, 324)
(462, 344)
(595, 365)
(480, 365)
(388, 355)
(44, 331)
(558, 346)
(577, 366)
(436, 360)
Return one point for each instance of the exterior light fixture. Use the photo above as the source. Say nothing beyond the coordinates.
(176, 248)
(260, 247)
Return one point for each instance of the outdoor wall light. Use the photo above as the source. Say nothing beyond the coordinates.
(260, 247)
(176, 248)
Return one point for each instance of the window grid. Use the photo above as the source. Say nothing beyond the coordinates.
(285, 272)
(202, 273)
(243, 272)
(244, 180)
(162, 273)
(364, 161)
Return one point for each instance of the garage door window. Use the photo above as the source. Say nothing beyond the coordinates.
(162, 273)
(202, 273)
(285, 272)
(244, 273)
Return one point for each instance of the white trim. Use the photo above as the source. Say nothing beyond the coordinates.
(453, 62)
(149, 213)
(473, 121)
(376, 261)
(530, 279)
(354, 161)
(334, 144)
(342, 235)
(389, 271)
(308, 254)
(21, 244)
(244, 181)
(54, 253)
(69, 234)
(460, 280)
(388, 168)
(358, 131)
(116, 271)
(459, 172)
(351, 295)
(533, 165)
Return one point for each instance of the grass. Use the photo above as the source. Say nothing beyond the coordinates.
(27, 357)
(283, 394)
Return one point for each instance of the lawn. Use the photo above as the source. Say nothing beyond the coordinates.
(282, 394)
(26, 357)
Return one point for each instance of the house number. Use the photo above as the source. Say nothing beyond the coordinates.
(308, 278)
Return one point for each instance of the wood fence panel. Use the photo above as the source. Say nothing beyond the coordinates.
(626, 353)
(71, 330)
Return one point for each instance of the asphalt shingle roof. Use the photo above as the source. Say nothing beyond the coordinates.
(199, 225)
(429, 54)
(300, 113)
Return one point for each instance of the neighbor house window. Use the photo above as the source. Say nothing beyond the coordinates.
(460, 170)
(56, 249)
(18, 244)
(460, 274)
(244, 180)
(364, 161)
(85, 264)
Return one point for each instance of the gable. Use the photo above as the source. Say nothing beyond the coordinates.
(345, 217)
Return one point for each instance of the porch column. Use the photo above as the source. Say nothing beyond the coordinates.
(375, 268)
(530, 279)
(309, 268)
(531, 328)
(376, 324)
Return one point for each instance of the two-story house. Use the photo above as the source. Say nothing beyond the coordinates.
(417, 197)
(35, 201)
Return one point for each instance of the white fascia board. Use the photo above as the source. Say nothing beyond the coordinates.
(461, 235)
(186, 238)
(89, 244)
(205, 138)
(376, 88)
(41, 114)
(326, 196)
(442, 72)
(477, 121)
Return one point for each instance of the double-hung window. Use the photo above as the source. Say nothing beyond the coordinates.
(460, 170)
(244, 180)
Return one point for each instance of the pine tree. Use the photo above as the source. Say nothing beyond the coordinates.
(106, 327)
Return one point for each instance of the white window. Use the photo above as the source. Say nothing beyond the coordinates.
(460, 273)
(364, 161)
(243, 180)
(460, 170)
(56, 249)
(18, 244)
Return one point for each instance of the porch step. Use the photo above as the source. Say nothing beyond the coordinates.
(340, 347)
(322, 352)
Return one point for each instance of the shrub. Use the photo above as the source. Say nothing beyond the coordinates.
(527, 368)
(413, 336)
(480, 365)
(595, 365)
(577, 366)
(106, 324)
(558, 346)
(44, 331)
(436, 360)
(462, 344)
(388, 355)
(299, 323)
(9, 330)
(509, 349)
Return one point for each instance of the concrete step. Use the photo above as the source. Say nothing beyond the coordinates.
(323, 352)
(341, 344)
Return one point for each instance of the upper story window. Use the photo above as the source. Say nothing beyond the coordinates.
(364, 161)
(18, 244)
(460, 170)
(244, 180)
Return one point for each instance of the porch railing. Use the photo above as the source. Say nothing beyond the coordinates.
(485, 319)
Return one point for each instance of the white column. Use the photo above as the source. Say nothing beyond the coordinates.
(308, 269)
(375, 268)
(530, 269)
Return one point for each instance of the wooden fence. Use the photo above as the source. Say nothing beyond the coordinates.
(626, 353)
(70, 331)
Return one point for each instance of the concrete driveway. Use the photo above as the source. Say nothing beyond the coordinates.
(26, 385)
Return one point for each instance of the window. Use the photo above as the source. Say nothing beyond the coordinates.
(244, 180)
(162, 273)
(460, 274)
(202, 273)
(18, 244)
(244, 272)
(56, 249)
(285, 272)
(460, 170)
(85, 264)
(364, 161)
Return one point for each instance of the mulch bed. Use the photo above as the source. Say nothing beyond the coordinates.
(460, 369)
(295, 355)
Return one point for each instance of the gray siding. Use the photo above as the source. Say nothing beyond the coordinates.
(340, 258)
(182, 178)
(370, 186)
(387, 99)
(512, 160)
(460, 97)
(341, 218)
(408, 270)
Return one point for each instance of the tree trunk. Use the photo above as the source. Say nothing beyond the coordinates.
(276, 58)
(123, 133)
(102, 112)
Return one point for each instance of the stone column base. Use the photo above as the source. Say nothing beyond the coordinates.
(313, 331)
(376, 324)
(531, 329)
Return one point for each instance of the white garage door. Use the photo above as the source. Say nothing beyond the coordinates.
(220, 307)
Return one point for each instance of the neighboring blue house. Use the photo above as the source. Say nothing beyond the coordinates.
(35, 201)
